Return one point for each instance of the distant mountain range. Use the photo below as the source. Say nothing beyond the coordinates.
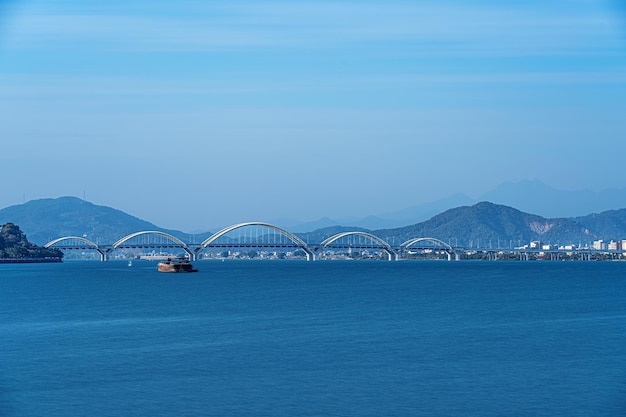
(497, 225)
(529, 196)
(47, 219)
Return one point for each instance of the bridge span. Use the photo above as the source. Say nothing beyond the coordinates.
(255, 235)
(266, 236)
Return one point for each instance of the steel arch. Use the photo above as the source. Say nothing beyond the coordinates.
(369, 236)
(411, 242)
(444, 246)
(82, 239)
(174, 239)
(295, 239)
(149, 232)
(384, 245)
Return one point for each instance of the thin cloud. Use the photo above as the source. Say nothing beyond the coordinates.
(435, 28)
(42, 85)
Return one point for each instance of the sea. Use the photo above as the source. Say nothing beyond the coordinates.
(324, 338)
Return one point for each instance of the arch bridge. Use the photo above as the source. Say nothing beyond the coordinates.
(168, 241)
(255, 235)
(281, 239)
(127, 242)
(367, 241)
(76, 243)
(429, 244)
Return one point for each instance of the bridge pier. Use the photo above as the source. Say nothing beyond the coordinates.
(492, 256)
(451, 254)
(389, 255)
(192, 254)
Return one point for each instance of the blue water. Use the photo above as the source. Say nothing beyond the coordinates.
(328, 338)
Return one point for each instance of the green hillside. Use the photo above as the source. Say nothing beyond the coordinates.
(608, 225)
(47, 219)
(486, 222)
(492, 224)
(15, 245)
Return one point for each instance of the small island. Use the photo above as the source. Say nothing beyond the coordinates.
(15, 248)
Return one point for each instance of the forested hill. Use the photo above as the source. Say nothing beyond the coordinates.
(47, 219)
(15, 245)
(492, 224)
(609, 224)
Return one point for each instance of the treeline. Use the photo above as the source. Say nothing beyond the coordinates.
(15, 245)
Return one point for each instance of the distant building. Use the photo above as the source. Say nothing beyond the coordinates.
(599, 245)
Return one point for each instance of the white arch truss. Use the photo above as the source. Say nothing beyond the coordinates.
(149, 232)
(439, 244)
(183, 245)
(82, 239)
(295, 239)
(436, 241)
(375, 239)
(369, 236)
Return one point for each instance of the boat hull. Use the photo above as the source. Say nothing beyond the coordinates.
(171, 266)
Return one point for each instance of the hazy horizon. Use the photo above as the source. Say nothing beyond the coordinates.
(569, 204)
(200, 113)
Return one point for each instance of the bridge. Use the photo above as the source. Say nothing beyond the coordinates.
(269, 237)
(253, 235)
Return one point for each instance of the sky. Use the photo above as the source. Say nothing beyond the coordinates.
(201, 114)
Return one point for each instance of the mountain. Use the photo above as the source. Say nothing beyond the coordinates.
(609, 224)
(529, 196)
(421, 212)
(539, 198)
(46, 219)
(489, 224)
(384, 220)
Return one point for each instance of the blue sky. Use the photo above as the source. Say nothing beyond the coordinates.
(197, 114)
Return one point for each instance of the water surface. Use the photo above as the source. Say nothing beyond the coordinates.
(326, 338)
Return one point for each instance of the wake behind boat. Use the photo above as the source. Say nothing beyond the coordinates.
(176, 265)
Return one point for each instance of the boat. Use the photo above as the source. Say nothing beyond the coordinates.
(176, 265)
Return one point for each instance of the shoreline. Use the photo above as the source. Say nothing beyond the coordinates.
(29, 260)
